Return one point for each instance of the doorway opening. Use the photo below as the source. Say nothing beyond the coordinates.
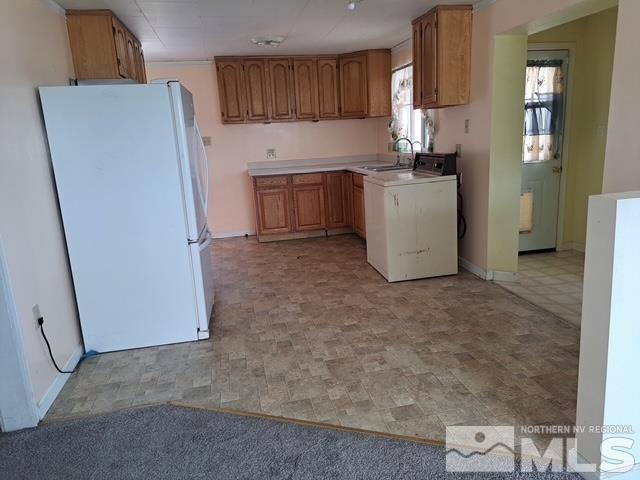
(566, 106)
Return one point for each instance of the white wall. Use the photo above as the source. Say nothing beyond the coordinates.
(34, 51)
(622, 158)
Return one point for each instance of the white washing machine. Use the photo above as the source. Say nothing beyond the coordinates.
(411, 221)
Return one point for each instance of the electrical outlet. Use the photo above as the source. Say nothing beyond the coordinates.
(36, 312)
(271, 153)
(466, 126)
(206, 141)
(459, 150)
(600, 131)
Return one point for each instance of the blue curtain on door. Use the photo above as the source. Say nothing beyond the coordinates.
(544, 97)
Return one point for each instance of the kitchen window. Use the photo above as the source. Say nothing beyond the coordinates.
(405, 121)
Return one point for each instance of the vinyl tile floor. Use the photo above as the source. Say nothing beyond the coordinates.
(307, 329)
(552, 281)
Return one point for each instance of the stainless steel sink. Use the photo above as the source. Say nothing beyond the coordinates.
(384, 168)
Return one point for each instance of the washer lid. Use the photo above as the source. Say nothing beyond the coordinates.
(388, 179)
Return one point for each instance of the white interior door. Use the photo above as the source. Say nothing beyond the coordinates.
(545, 103)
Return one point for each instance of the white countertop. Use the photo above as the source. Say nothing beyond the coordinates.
(353, 163)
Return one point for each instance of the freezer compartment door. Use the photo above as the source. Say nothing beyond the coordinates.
(194, 164)
(203, 282)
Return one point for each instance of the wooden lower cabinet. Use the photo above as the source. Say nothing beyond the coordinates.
(358, 212)
(315, 204)
(308, 207)
(273, 211)
(338, 205)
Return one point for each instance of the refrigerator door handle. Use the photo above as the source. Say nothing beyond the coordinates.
(206, 168)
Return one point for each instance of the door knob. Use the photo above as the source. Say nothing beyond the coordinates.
(557, 170)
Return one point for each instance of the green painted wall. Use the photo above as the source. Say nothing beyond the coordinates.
(594, 39)
(505, 165)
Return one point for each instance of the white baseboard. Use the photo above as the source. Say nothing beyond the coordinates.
(473, 268)
(241, 233)
(578, 247)
(490, 275)
(500, 276)
(54, 390)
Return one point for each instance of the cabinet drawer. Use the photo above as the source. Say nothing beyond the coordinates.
(358, 180)
(307, 179)
(275, 181)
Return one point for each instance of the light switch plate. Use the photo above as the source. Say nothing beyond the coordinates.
(466, 126)
(271, 153)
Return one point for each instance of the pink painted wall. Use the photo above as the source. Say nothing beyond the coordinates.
(35, 52)
(233, 146)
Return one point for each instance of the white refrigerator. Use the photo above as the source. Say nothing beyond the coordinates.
(132, 179)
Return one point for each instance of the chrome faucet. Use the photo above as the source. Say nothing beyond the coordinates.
(410, 145)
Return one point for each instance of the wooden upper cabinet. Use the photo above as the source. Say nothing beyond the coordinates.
(142, 74)
(257, 89)
(328, 88)
(365, 84)
(122, 57)
(429, 49)
(353, 86)
(132, 60)
(379, 83)
(102, 47)
(305, 88)
(281, 89)
(443, 56)
(417, 64)
(231, 91)
(308, 88)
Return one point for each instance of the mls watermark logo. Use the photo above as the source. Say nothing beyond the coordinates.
(492, 448)
(480, 449)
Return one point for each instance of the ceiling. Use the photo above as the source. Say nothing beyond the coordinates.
(174, 30)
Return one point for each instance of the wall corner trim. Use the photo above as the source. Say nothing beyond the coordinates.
(54, 390)
(55, 7)
(482, 4)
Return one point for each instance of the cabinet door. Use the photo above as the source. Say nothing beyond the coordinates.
(274, 215)
(281, 91)
(306, 88)
(417, 65)
(328, 88)
(142, 71)
(231, 91)
(358, 212)
(257, 91)
(132, 57)
(120, 38)
(308, 204)
(353, 86)
(429, 60)
(338, 188)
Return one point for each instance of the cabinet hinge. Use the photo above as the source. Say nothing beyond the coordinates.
(435, 91)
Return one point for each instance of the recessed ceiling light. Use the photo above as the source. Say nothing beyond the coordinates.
(351, 4)
(270, 42)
